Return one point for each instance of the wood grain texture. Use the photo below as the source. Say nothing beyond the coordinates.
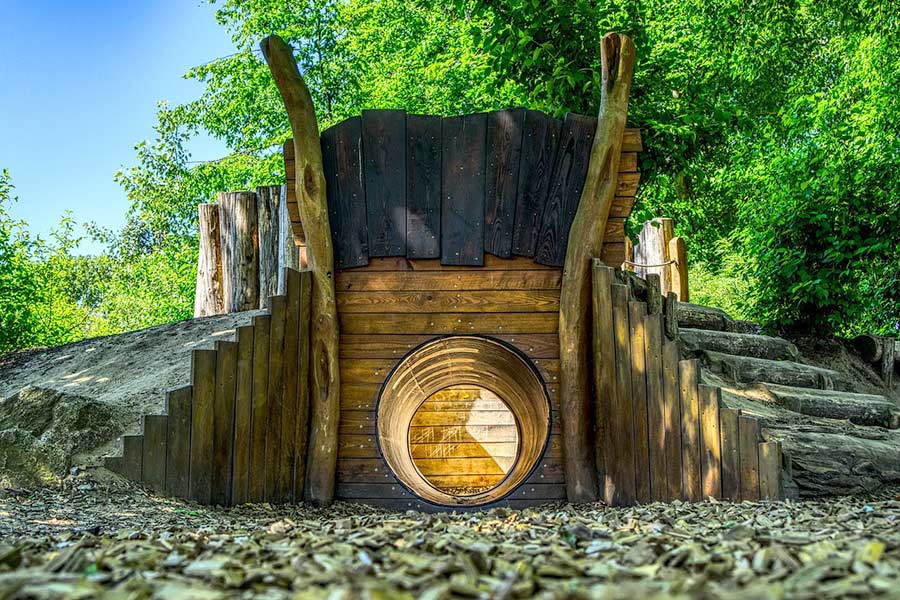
(239, 241)
(423, 186)
(342, 159)
(384, 171)
(538, 345)
(133, 457)
(268, 214)
(504, 150)
(447, 323)
(274, 398)
(511, 301)
(203, 382)
(710, 440)
(540, 139)
(729, 431)
(436, 281)
(770, 471)
(153, 472)
(689, 380)
(243, 416)
(749, 434)
(462, 189)
(178, 441)
(566, 186)
(260, 408)
(491, 263)
(623, 415)
(656, 407)
(303, 392)
(208, 297)
(290, 388)
(223, 423)
(672, 391)
(637, 312)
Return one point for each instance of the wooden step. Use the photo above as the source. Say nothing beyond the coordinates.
(860, 409)
(740, 344)
(697, 316)
(748, 369)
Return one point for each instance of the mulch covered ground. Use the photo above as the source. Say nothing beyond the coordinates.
(89, 538)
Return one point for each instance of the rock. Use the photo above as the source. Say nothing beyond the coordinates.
(742, 344)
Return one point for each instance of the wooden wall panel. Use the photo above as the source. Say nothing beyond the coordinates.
(749, 434)
(423, 186)
(243, 416)
(689, 378)
(384, 170)
(540, 140)
(504, 149)
(710, 442)
(153, 473)
(656, 407)
(223, 422)
(133, 457)
(290, 386)
(274, 395)
(623, 417)
(729, 431)
(637, 312)
(345, 191)
(203, 382)
(567, 182)
(260, 411)
(462, 189)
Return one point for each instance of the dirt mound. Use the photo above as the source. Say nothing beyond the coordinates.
(68, 405)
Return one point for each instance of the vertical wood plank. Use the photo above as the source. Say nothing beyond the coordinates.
(260, 408)
(178, 442)
(223, 420)
(623, 417)
(710, 437)
(504, 149)
(656, 407)
(540, 140)
(203, 382)
(274, 399)
(243, 414)
(288, 453)
(462, 189)
(731, 453)
(637, 311)
(423, 186)
(303, 352)
(345, 192)
(154, 448)
(384, 171)
(749, 434)
(674, 442)
(133, 457)
(770, 471)
(604, 347)
(567, 182)
(689, 380)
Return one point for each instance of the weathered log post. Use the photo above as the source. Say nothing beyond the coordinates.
(208, 291)
(268, 209)
(585, 243)
(240, 250)
(288, 251)
(310, 190)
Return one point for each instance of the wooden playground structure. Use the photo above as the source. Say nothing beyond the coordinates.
(458, 339)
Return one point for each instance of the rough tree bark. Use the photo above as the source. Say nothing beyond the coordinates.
(268, 206)
(208, 292)
(585, 243)
(240, 251)
(310, 186)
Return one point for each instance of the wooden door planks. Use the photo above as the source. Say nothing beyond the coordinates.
(384, 171)
(462, 189)
(423, 186)
(504, 149)
(342, 162)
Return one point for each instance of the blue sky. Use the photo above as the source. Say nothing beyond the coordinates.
(80, 82)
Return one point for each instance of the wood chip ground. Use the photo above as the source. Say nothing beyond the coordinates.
(101, 538)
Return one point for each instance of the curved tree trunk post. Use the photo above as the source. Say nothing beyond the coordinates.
(288, 251)
(208, 292)
(678, 270)
(310, 186)
(240, 250)
(585, 243)
(268, 203)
